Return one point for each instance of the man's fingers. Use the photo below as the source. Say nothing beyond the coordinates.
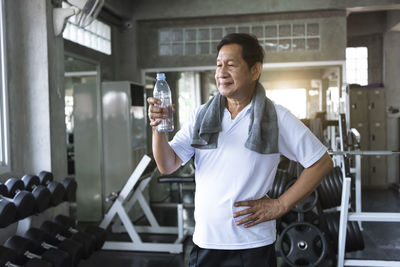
(257, 221)
(249, 218)
(154, 123)
(153, 101)
(247, 203)
(154, 109)
(242, 212)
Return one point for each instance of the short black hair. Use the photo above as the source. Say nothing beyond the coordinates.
(252, 51)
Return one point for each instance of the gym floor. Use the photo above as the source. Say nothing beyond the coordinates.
(382, 240)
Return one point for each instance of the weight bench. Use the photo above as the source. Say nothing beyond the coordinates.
(179, 180)
(132, 193)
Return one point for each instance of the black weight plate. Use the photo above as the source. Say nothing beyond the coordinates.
(274, 188)
(323, 195)
(359, 235)
(278, 183)
(339, 174)
(30, 181)
(351, 239)
(337, 182)
(330, 190)
(25, 203)
(326, 192)
(42, 196)
(282, 186)
(330, 227)
(8, 213)
(335, 197)
(358, 238)
(302, 244)
(349, 232)
(313, 218)
(321, 198)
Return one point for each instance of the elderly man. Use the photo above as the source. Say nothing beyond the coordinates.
(237, 138)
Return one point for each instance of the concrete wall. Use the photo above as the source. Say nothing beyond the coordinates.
(332, 39)
(36, 95)
(366, 29)
(156, 9)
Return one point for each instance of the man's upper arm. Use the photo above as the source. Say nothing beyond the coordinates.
(297, 142)
(181, 143)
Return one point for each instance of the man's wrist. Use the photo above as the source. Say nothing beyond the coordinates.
(284, 207)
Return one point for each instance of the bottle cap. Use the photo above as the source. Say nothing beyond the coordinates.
(160, 76)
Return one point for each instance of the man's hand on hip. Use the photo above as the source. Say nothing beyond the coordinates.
(260, 210)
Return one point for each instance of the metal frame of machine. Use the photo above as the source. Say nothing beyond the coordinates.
(132, 193)
(358, 215)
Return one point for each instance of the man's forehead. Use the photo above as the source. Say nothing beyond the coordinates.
(230, 52)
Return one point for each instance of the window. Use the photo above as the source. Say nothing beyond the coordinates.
(96, 36)
(357, 65)
(4, 138)
(289, 37)
(189, 95)
(294, 100)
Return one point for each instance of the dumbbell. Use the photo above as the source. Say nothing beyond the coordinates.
(56, 189)
(69, 184)
(26, 250)
(98, 233)
(47, 179)
(86, 240)
(8, 258)
(41, 238)
(23, 200)
(41, 194)
(8, 212)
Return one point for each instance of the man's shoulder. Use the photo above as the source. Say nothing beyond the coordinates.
(280, 111)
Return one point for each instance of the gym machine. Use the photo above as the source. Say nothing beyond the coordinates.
(359, 216)
(132, 193)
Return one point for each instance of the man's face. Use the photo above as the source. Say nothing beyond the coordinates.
(233, 76)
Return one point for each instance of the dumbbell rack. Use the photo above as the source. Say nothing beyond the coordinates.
(132, 193)
(359, 215)
(25, 224)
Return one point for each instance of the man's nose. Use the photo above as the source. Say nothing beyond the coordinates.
(221, 72)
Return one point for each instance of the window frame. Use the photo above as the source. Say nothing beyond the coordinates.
(4, 112)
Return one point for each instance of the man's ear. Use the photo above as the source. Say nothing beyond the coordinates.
(256, 71)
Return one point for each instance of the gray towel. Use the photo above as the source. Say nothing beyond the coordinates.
(263, 128)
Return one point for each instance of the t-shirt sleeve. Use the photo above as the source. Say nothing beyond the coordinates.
(181, 143)
(296, 141)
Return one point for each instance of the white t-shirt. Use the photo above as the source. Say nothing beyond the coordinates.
(232, 173)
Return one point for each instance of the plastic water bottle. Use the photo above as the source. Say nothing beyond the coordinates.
(162, 92)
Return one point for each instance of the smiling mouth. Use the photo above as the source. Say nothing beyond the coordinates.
(226, 83)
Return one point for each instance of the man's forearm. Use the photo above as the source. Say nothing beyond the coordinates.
(166, 159)
(307, 182)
